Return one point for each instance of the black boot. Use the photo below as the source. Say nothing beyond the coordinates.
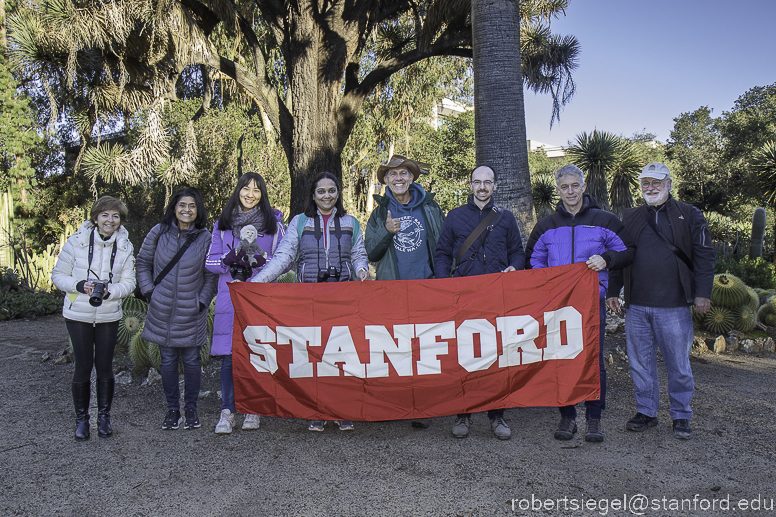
(81, 394)
(104, 401)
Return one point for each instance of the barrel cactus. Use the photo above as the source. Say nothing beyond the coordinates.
(728, 291)
(287, 278)
(134, 304)
(154, 356)
(719, 320)
(767, 312)
(746, 318)
(130, 324)
(138, 351)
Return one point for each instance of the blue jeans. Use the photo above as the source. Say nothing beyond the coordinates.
(670, 328)
(227, 384)
(593, 408)
(192, 374)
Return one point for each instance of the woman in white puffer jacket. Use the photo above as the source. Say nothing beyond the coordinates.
(97, 258)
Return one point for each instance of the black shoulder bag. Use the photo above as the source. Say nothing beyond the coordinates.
(676, 251)
(174, 260)
(484, 224)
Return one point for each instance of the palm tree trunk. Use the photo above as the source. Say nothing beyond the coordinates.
(499, 112)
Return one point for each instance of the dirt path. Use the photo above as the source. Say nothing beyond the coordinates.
(383, 468)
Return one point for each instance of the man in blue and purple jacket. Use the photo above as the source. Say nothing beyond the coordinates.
(579, 231)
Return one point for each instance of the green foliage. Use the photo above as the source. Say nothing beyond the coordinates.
(17, 136)
(696, 147)
(540, 163)
(29, 304)
(753, 272)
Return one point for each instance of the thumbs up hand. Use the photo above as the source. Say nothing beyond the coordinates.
(392, 225)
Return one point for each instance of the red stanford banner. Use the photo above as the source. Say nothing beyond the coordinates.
(393, 350)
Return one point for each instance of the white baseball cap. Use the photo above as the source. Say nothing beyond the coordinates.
(659, 171)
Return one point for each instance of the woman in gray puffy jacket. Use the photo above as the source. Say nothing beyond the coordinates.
(178, 300)
(95, 269)
(327, 245)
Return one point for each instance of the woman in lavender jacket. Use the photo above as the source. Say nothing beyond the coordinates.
(248, 205)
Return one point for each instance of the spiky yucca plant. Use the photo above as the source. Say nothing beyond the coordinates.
(545, 196)
(624, 182)
(596, 153)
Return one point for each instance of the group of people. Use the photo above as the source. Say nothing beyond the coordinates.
(660, 253)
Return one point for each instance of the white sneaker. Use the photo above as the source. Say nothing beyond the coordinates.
(225, 422)
(251, 422)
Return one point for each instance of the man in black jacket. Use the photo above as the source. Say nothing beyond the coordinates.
(672, 269)
(497, 249)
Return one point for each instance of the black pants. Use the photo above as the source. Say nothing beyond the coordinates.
(93, 346)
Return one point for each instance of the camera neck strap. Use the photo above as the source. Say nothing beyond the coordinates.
(112, 256)
(337, 235)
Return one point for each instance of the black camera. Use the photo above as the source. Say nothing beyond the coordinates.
(98, 293)
(329, 275)
(239, 273)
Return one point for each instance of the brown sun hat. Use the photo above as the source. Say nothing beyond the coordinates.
(400, 162)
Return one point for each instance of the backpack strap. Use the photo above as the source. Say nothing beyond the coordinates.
(300, 224)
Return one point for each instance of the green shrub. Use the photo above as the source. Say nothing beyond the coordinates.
(754, 272)
(29, 305)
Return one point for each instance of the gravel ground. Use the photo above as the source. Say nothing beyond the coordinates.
(382, 468)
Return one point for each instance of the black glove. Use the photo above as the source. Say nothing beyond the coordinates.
(80, 286)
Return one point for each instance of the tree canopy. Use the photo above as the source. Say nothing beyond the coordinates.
(307, 66)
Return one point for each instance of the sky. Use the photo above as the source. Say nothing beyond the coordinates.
(645, 62)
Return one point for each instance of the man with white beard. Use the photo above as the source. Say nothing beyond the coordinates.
(673, 268)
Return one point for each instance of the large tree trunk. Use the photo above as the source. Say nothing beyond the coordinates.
(315, 92)
(499, 113)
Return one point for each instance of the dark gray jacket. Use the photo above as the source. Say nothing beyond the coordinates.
(176, 316)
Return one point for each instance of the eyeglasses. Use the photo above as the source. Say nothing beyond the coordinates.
(653, 184)
(478, 183)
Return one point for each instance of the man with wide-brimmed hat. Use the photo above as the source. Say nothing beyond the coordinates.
(404, 227)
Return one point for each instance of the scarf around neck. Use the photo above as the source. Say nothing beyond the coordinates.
(253, 216)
